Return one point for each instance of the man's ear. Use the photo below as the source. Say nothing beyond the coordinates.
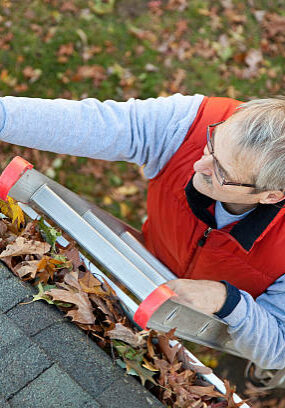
(271, 197)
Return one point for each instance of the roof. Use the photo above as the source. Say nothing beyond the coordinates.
(48, 362)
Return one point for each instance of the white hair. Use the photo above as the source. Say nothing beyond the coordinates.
(260, 126)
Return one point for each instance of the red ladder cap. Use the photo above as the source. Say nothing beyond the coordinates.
(11, 174)
(151, 303)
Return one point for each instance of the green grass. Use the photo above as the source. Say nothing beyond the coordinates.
(41, 27)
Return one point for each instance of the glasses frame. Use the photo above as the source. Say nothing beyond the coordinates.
(217, 167)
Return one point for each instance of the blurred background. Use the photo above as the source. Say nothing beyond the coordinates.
(119, 49)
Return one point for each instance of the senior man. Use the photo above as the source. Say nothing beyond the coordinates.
(215, 196)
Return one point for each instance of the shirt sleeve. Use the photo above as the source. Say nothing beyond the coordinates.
(258, 327)
(146, 132)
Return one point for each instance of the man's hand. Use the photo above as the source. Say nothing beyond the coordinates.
(204, 295)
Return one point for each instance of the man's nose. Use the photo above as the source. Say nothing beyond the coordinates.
(204, 165)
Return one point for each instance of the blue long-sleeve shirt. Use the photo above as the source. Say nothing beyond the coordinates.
(147, 133)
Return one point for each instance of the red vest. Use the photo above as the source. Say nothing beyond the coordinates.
(249, 254)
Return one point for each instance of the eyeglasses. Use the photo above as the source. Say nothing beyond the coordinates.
(218, 169)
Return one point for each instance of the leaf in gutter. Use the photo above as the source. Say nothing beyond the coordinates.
(142, 372)
(50, 234)
(84, 313)
(13, 211)
(230, 396)
(22, 246)
(42, 295)
(26, 268)
(170, 352)
(205, 390)
(47, 267)
(121, 332)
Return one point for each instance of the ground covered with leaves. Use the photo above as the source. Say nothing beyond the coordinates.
(117, 49)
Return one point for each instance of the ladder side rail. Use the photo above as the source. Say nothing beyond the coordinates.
(96, 245)
(111, 228)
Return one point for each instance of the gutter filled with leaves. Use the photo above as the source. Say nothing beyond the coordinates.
(30, 249)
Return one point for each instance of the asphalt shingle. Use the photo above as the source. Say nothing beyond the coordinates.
(49, 362)
(79, 356)
(15, 291)
(21, 360)
(34, 317)
(130, 394)
(53, 389)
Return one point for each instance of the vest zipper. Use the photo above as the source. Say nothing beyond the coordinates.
(201, 243)
(204, 237)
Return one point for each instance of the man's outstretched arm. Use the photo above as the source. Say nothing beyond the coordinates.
(141, 131)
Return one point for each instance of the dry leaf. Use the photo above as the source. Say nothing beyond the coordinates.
(90, 284)
(121, 332)
(170, 352)
(23, 246)
(84, 313)
(26, 268)
(12, 210)
(202, 391)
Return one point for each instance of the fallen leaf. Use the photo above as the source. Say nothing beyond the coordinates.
(66, 49)
(23, 246)
(121, 332)
(32, 74)
(84, 314)
(142, 372)
(26, 268)
(41, 295)
(12, 210)
(201, 391)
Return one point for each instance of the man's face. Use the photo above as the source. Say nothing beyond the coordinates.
(237, 167)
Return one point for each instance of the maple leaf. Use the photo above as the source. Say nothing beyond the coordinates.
(71, 279)
(23, 246)
(84, 313)
(13, 211)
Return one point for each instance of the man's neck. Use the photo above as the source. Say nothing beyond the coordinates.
(238, 208)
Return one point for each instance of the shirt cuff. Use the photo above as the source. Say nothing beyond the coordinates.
(233, 298)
